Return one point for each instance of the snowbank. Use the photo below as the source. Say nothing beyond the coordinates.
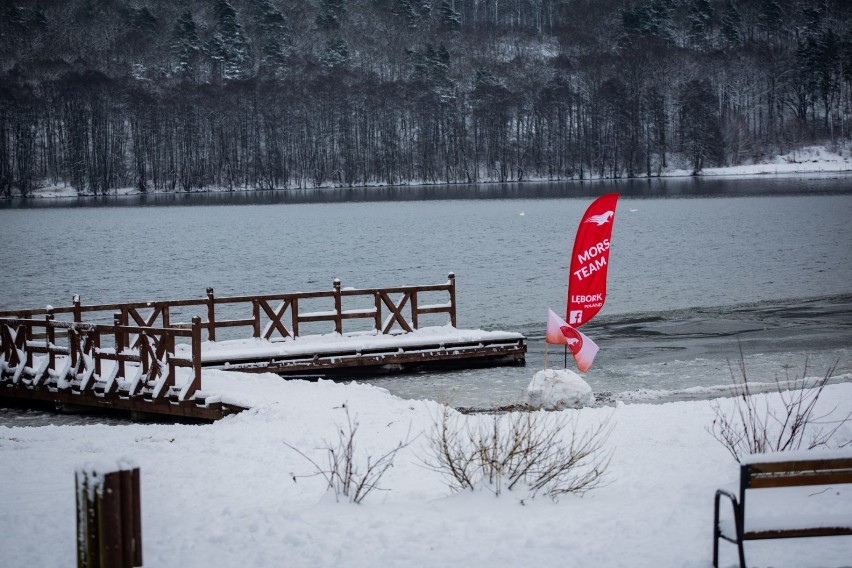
(225, 495)
(553, 389)
(807, 160)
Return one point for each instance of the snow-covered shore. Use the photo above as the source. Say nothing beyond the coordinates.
(224, 494)
(802, 161)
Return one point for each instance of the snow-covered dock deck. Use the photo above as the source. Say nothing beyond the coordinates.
(366, 352)
(143, 361)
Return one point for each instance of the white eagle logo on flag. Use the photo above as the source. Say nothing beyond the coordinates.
(601, 219)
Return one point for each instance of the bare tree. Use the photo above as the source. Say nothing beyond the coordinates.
(538, 452)
(755, 425)
(346, 473)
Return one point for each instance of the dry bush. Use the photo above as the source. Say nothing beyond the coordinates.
(754, 426)
(348, 475)
(540, 452)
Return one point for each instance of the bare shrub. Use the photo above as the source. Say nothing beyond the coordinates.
(348, 475)
(755, 426)
(541, 452)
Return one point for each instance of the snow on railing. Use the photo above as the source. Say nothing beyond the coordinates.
(271, 316)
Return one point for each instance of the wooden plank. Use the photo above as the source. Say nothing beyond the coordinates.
(235, 323)
(800, 465)
(359, 314)
(274, 315)
(797, 533)
(395, 311)
(317, 317)
(798, 473)
(331, 362)
(800, 479)
(186, 409)
(435, 310)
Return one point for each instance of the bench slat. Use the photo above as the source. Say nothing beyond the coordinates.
(797, 533)
(801, 465)
(799, 479)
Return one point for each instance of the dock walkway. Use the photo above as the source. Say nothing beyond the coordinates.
(151, 357)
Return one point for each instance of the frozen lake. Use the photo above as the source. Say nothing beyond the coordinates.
(697, 268)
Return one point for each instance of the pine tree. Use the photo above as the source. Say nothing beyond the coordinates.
(271, 36)
(330, 14)
(229, 47)
(449, 18)
(730, 23)
(185, 45)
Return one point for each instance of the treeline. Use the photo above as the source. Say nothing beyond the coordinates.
(303, 93)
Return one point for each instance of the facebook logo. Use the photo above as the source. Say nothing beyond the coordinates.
(575, 317)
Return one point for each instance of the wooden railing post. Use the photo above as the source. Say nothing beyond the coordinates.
(75, 308)
(5, 348)
(109, 518)
(255, 309)
(28, 335)
(338, 307)
(50, 333)
(196, 357)
(73, 346)
(96, 350)
(144, 359)
(211, 315)
(377, 296)
(120, 343)
(413, 301)
(294, 317)
(452, 282)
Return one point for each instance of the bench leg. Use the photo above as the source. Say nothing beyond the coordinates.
(738, 524)
(742, 553)
(716, 546)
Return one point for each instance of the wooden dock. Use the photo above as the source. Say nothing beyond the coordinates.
(148, 357)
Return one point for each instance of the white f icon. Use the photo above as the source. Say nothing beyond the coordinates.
(575, 317)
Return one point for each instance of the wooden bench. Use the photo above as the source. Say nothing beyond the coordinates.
(773, 474)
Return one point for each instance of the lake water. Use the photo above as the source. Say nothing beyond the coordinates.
(698, 268)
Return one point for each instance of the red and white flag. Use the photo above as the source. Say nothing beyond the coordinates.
(560, 333)
(590, 260)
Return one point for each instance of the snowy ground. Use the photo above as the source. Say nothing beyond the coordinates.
(810, 159)
(224, 494)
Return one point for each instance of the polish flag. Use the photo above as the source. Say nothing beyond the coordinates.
(560, 333)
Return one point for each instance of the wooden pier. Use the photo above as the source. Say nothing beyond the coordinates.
(148, 357)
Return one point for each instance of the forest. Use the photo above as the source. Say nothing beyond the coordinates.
(275, 94)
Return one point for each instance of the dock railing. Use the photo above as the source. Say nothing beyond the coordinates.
(93, 359)
(135, 355)
(269, 316)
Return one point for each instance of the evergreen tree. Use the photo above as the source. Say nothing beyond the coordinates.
(700, 18)
(449, 18)
(185, 45)
(330, 14)
(731, 22)
(272, 36)
(229, 47)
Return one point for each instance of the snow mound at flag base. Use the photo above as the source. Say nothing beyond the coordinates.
(553, 389)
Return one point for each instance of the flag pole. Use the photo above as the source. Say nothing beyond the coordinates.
(545, 355)
(565, 361)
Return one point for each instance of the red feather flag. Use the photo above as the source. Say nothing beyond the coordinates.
(589, 261)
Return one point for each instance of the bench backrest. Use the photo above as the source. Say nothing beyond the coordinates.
(795, 473)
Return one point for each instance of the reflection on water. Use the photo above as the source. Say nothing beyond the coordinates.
(637, 188)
